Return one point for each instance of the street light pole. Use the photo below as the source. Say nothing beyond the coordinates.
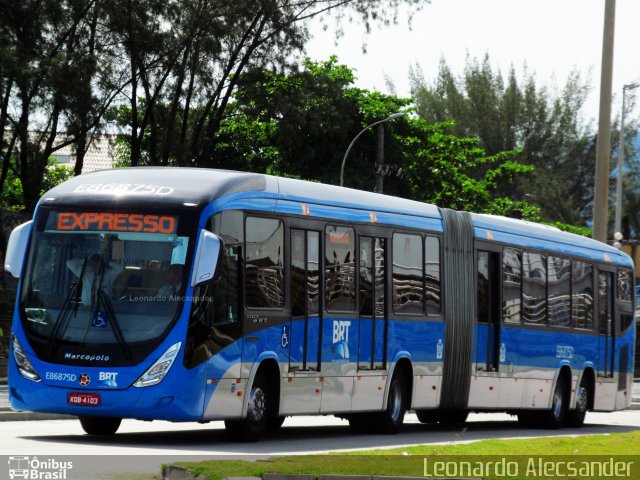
(603, 144)
(618, 222)
(379, 157)
(380, 160)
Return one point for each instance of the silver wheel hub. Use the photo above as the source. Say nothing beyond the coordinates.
(396, 403)
(557, 404)
(257, 405)
(581, 401)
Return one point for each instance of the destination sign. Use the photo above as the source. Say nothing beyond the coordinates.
(118, 222)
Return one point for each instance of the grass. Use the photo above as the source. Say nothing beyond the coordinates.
(409, 461)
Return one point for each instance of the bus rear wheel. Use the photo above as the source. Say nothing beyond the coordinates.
(453, 417)
(259, 412)
(555, 416)
(100, 425)
(575, 418)
(427, 416)
(390, 420)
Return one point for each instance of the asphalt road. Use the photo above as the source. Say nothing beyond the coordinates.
(143, 447)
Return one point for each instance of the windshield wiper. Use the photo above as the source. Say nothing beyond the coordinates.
(102, 298)
(115, 325)
(74, 296)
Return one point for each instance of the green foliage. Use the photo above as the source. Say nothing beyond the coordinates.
(299, 124)
(12, 196)
(544, 124)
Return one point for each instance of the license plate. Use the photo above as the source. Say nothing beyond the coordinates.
(84, 399)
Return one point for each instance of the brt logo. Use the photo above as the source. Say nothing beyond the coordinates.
(341, 338)
(341, 330)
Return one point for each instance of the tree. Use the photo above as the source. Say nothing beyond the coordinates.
(547, 126)
(174, 63)
(49, 75)
(186, 58)
(12, 197)
(300, 123)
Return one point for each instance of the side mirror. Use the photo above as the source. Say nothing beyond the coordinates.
(207, 258)
(17, 248)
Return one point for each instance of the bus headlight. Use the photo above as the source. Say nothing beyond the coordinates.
(160, 368)
(24, 365)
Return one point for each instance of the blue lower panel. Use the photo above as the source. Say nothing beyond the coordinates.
(172, 399)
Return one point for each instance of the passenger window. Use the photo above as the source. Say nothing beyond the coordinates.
(534, 288)
(432, 275)
(625, 284)
(559, 271)
(408, 288)
(483, 287)
(582, 295)
(511, 283)
(624, 289)
(264, 263)
(340, 274)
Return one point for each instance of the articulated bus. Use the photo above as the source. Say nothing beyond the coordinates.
(200, 295)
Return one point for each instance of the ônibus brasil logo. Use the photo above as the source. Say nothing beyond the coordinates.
(32, 468)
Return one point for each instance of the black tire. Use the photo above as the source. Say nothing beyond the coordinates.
(274, 423)
(453, 417)
(389, 421)
(361, 423)
(428, 416)
(100, 425)
(555, 416)
(259, 412)
(575, 417)
(527, 419)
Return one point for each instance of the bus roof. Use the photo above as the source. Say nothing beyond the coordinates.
(170, 186)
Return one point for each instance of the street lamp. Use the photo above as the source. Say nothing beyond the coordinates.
(618, 223)
(380, 144)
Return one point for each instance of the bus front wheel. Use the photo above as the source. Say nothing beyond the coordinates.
(100, 425)
(259, 412)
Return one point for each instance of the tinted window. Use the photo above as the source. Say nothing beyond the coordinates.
(432, 275)
(605, 303)
(582, 295)
(297, 273)
(408, 293)
(313, 272)
(264, 266)
(340, 268)
(511, 282)
(559, 274)
(366, 276)
(215, 313)
(483, 287)
(625, 285)
(534, 288)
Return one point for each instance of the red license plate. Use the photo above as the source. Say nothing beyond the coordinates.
(84, 399)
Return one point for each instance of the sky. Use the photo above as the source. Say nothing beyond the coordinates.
(551, 37)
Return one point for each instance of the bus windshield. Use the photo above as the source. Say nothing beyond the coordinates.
(103, 285)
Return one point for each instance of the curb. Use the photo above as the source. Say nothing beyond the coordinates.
(8, 415)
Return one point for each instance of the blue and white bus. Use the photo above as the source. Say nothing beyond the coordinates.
(200, 295)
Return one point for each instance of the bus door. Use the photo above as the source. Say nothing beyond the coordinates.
(305, 327)
(372, 303)
(605, 324)
(488, 348)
